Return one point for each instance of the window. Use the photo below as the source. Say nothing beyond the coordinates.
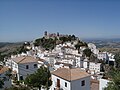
(83, 83)
(27, 67)
(65, 84)
(21, 77)
(35, 65)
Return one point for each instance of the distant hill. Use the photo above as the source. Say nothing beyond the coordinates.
(102, 40)
(110, 45)
(6, 47)
(2, 44)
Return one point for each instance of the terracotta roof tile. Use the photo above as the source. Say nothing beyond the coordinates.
(25, 59)
(70, 74)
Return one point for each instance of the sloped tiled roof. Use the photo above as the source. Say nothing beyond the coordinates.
(25, 59)
(70, 74)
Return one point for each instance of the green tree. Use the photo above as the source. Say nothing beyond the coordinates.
(37, 42)
(80, 44)
(73, 37)
(22, 49)
(114, 84)
(39, 79)
(18, 88)
(48, 44)
(117, 60)
(1, 83)
(77, 46)
(87, 52)
(2, 56)
(93, 57)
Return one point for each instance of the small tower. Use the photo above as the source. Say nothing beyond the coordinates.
(45, 33)
(58, 34)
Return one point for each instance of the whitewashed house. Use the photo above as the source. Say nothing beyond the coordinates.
(71, 61)
(57, 49)
(68, 49)
(41, 62)
(103, 56)
(4, 71)
(62, 65)
(103, 83)
(111, 59)
(94, 67)
(78, 60)
(23, 66)
(70, 79)
(8, 62)
(93, 48)
(84, 63)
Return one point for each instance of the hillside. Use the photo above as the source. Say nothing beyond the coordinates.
(7, 48)
(110, 45)
(49, 42)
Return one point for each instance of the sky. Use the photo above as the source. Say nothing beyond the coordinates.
(25, 20)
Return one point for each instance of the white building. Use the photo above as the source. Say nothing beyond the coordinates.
(70, 79)
(23, 66)
(111, 59)
(95, 67)
(93, 48)
(3, 76)
(57, 49)
(103, 83)
(41, 62)
(78, 60)
(68, 49)
(84, 64)
(62, 65)
(103, 56)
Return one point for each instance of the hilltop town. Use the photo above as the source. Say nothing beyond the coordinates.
(69, 63)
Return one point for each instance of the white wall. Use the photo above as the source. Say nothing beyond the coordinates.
(76, 84)
(8, 63)
(85, 64)
(14, 66)
(95, 66)
(62, 83)
(103, 56)
(103, 83)
(24, 72)
(79, 62)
